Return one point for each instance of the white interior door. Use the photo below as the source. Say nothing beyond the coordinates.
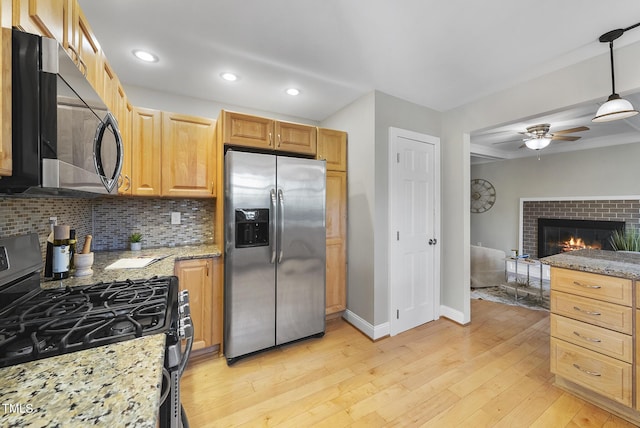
(414, 219)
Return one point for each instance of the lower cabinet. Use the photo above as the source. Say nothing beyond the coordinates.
(336, 225)
(593, 339)
(202, 278)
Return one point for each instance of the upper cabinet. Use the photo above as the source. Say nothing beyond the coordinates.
(295, 138)
(5, 103)
(172, 155)
(332, 147)
(47, 18)
(146, 130)
(268, 134)
(85, 48)
(188, 156)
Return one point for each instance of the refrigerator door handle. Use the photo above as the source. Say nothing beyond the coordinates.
(272, 226)
(281, 228)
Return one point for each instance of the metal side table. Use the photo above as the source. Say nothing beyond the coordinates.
(528, 263)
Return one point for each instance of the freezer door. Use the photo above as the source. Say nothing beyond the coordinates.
(300, 301)
(249, 288)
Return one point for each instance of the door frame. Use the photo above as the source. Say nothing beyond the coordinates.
(394, 134)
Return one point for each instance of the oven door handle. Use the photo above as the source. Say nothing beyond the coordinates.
(186, 331)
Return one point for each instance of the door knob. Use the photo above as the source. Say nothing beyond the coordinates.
(433, 241)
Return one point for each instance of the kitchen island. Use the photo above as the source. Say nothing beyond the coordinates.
(111, 385)
(595, 320)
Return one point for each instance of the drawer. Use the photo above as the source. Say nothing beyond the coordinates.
(601, 287)
(606, 376)
(603, 314)
(611, 343)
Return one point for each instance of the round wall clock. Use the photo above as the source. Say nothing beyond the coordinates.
(483, 195)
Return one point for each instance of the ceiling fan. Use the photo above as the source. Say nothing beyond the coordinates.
(538, 137)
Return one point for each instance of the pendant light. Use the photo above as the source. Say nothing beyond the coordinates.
(616, 107)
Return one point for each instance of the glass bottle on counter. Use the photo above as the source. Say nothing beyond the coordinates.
(72, 248)
(60, 265)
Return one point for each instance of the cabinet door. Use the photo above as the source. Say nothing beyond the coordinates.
(336, 224)
(86, 48)
(145, 152)
(196, 276)
(248, 131)
(332, 147)
(295, 138)
(125, 114)
(5, 104)
(44, 17)
(188, 156)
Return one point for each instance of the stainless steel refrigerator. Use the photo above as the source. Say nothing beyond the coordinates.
(275, 245)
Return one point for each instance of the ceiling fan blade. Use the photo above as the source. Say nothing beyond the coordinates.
(565, 138)
(508, 142)
(571, 130)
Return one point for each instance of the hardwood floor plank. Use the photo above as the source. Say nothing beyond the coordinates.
(493, 372)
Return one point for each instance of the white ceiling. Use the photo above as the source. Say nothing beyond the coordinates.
(437, 53)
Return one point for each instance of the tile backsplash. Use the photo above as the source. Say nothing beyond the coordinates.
(21, 215)
(112, 220)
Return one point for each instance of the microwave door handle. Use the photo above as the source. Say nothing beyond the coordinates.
(111, 182)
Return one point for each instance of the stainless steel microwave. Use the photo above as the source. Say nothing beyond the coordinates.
(65, 140)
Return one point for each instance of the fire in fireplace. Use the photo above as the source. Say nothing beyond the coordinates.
(561, 235)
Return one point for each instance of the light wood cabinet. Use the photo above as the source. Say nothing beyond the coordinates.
(262, 133)
(47, 18)
(593, 339)
(247, 131)
(332, 147)
(295, 138)
(188, 156)
(201, 277)
(146, 160)
(85, 48)
(124, 124)
(336, 225)
(6, 161)
(172, 155)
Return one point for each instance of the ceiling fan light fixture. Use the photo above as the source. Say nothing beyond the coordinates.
(615, 108)
(537, 143)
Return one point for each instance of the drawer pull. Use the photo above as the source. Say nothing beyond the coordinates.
(590, 339)
(586, 312)
(586, 371)
(586, 285)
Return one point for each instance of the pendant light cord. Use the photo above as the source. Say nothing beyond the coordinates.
(613, 77)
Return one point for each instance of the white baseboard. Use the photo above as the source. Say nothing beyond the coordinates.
(453, 314)
(374, 332)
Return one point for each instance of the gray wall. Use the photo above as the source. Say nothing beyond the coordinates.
(611, 171)
(367, 121)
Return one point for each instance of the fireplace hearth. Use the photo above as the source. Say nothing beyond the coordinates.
(561, 235)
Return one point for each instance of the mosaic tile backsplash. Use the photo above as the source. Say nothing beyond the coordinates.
(112, 220)
(19, 216)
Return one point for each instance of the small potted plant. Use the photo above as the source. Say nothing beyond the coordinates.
(135, 239)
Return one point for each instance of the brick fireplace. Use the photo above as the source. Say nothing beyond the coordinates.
(622, 210)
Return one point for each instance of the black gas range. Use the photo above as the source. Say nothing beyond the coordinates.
(38, 323)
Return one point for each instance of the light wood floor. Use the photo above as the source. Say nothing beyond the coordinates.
(493, 372)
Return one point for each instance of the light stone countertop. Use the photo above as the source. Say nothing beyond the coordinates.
(612, 263)
(115, 385)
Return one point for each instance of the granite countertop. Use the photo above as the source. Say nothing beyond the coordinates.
(162, 267)
(114, 385)
(111, 385)
(613, 263)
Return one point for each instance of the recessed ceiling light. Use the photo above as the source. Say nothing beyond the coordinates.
(145, 56)
(229, 77)
(293, 91)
